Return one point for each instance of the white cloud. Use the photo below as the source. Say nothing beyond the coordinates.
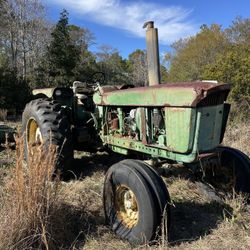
(130, 16)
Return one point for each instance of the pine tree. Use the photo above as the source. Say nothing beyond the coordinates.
(63, 54)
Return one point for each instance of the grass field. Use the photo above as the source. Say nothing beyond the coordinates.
(36, 213)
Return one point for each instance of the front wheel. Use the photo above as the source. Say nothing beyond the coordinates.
(134, 201)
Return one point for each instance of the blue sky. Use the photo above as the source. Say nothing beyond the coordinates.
(119, 22)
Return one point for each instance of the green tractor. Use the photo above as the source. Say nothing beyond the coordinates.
(180, 123)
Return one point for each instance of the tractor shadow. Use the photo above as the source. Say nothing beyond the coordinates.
(86, 165)
(191, 220)
(69, 226)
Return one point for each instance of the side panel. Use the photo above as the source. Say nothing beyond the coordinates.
(210, 127)
(180, 128)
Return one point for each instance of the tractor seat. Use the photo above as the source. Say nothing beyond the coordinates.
(82, 88)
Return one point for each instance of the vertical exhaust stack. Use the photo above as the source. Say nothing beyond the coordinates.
(152, 54)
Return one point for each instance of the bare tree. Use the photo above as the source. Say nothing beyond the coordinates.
(25, 34)
(138, 67)
(107, 58)
(81, 37)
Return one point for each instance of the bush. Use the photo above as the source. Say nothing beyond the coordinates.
(14, 93)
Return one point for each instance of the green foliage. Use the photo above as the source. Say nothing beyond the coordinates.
(67, 58)
(63, 54)
(216, 54)
(232, 67)
(192, 55)
(239, 31)
(82, 38)
(86, 67)
(164, 74)
(14, 93)
(112, 65)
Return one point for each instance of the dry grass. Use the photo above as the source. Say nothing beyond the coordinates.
(36, 213)
(238, 136)
(26, 200)
(199, 222)
(3, 114)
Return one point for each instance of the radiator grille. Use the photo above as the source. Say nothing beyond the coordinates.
(213, 99)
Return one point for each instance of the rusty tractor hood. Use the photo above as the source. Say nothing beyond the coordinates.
(181, 94)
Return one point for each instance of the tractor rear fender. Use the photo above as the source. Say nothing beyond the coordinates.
(63, 95)
(46, 92)
(55, 93)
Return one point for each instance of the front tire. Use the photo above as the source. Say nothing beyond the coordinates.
(45, 121)
(134, 201)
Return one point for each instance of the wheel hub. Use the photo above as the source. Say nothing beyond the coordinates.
(126, 206)
(34, 134)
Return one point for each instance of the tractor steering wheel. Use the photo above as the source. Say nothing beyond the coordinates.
(98, 78)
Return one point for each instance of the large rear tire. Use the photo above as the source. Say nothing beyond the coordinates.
(239, 163)
(231, 172)
(45, 121)
(135, 199)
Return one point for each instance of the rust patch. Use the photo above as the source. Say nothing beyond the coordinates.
(198, 87)
(201, 90)
(115, 124)
(143, 126)
(208, 90)
(207, 155)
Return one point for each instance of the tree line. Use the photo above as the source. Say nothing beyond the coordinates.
(214, 53)
(36, 53)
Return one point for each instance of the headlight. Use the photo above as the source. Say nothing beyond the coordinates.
(58, 92)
